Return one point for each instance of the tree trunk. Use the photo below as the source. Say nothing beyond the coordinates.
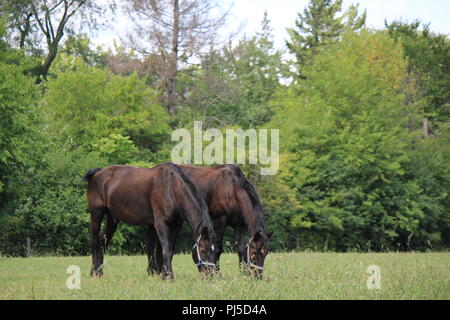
(174, 58)
(53, 39)
(53, 51)
(42, 70)
(25, 31)
(426, 127)
(28, 247)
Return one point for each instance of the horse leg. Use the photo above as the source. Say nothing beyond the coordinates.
(97, 253)
(154, 251)
(173, 232)
(239, 231)
(164, 235)
(155, 254)
(176, 226)
(108, 232)
(219, 227)
(159, 256)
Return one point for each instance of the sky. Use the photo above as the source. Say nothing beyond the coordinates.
(246, 15)
(283, 13)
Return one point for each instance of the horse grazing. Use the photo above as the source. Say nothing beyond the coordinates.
(233, 201)
(159, 198)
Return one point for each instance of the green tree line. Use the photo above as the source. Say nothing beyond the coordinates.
(363, 116)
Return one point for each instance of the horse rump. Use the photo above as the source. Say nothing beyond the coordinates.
(90, 174)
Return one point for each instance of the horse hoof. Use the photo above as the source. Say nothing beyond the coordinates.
(97, 274)
(153, 273)
(168, 276)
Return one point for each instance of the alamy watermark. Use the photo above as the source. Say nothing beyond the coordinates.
(73, 282)
(236, 146)
(374, 280)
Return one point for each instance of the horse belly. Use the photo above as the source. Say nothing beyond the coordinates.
(132, 217)
(130, 208)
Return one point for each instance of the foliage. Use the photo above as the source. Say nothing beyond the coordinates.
(174, 33)
(17, 96)
(80, 45)
(319, 26)
(428, 57)
(90, 104)
(234, 85)
(53, 212)
(18, 117)
(352, 171)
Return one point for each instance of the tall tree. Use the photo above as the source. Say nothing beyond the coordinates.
(18, 119)
(52, 19)
(234, 84)
(80, 45)
(320, 25)
(36, 22)
(428, 56)
(351, 166)
(177, 30)
(87, 104)
(19, 20)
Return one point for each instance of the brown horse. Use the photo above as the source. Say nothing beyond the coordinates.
(158, 198)
(233, 201)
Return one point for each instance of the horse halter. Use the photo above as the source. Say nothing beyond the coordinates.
(200, 262)
(249, 263)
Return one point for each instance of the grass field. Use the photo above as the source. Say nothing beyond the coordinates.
(288, 276)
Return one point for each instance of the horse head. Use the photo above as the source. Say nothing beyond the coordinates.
(256, 251)
(204, 250)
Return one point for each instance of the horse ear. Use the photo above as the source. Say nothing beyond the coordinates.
(269, 235)
(257, 236)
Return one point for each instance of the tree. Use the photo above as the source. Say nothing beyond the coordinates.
(80, 45)
(19, 20)
(20, 138)
(318, 26)
(52, 21)
(177, 29)
(52, 211)
(233, 85)
(351, 165)
(18, 111)
(41, 21)
(428, 56)
(86, 104)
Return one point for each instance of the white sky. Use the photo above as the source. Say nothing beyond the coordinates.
(282, 13)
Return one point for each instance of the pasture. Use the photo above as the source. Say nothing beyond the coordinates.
(288, 276)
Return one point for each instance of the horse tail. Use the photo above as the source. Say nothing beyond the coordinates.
(90, 174)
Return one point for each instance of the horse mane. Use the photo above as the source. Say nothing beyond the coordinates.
(250, 189)
(245, 184)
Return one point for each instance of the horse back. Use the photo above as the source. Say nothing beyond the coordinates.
(141, 196)
(223, 187)
(127, 192)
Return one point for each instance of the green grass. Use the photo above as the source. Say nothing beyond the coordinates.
(287, 276)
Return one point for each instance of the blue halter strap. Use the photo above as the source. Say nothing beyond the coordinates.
(200, 262)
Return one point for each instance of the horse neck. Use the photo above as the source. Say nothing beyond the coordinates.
(197, 221)
(255, 221)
